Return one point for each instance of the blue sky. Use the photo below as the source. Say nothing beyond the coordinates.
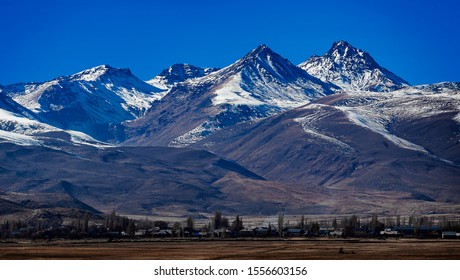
(40, 40)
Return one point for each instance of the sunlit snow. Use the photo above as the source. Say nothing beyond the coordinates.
(232, 93)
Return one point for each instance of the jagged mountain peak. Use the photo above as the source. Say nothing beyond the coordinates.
(352, 69)
(261, 49)
(264, 62)
(342, 50)
(342, 44)
(261, 53)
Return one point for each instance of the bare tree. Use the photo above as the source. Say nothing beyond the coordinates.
(217, 220)
(280, 224)
(190, 223)
(302, 222)
(85, 222)
(131, 228)
(334, 223)
(237, 224)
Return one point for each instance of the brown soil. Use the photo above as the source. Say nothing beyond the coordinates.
(319, 249)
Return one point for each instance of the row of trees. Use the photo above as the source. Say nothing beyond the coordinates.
(86, 224)
(376, 222)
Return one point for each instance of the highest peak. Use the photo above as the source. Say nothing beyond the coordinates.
(262, 47)
(351, 68)
(260, 51)
(261, 54)
(341, 44)
(342, 50)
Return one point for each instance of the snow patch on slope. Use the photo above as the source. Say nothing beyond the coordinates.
(23, 131)
(378, 124)
(19, 139)
(457, 117)
(309, 127)
(31, 94)
(197, 134)
(160, 82)
(92, 74)
(232, 93)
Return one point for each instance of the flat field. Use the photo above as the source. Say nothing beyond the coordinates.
(317, 249)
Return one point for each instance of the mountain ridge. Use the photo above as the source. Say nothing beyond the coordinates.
(258, 85)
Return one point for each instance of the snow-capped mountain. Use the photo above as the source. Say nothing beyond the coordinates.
(260, 84)
(352, 69)
(93, 101)
(21, 126)
(178, 73)
(354, 139)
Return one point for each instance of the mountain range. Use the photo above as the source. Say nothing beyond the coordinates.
(336, 134)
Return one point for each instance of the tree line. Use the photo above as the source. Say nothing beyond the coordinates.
(87, 225)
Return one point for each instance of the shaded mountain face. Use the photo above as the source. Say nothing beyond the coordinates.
(94, 101)
(21, 126)
(259, 85)
(178, 73)
(352, 69)
(7, 104)
(136, 180)
(404, 141)
(179, 182)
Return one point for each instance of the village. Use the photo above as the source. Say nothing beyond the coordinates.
(115, 227)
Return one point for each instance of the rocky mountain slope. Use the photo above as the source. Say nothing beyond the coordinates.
(178, 73)
(135, 180)
(407, 140)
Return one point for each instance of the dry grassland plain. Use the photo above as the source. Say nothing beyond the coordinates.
(295, 249)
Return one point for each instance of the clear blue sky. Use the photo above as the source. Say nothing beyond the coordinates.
(40, 40)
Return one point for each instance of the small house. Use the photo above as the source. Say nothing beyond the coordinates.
(293, 232)
(449, 235)
(246, 232)
(389, 232)
(163, 233)
(405, 230)
(336, 233)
